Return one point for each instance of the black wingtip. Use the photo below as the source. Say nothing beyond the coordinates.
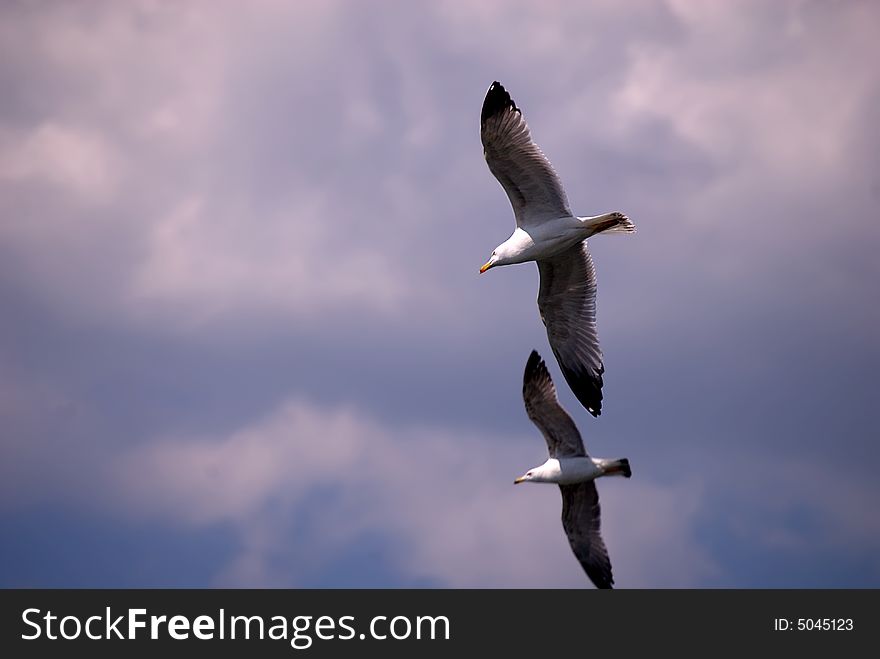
(534, 360)
(602, 579)
(535, 368)
(586, 387)
(497, 99)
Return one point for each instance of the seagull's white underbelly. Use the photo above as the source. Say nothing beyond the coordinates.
(568, 471)
(550, 238)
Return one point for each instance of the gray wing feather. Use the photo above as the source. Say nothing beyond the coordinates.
(567, 302)
(581, 519)
(543, 408)
(528, 178)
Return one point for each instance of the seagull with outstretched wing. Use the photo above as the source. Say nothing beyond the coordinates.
(548, 233)
(572, 469)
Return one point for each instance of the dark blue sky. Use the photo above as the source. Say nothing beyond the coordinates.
(244, 341)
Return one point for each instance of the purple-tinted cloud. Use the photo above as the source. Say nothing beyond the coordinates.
(235, 243)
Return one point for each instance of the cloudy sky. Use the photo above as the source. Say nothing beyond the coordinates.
(243, 338)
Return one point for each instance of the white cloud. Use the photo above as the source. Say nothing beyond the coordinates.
(230, 478)
(77, 161)
(654, 527)
(186, 234)
(444, 500)
(758, 90)
(203, 261)
(212, 222)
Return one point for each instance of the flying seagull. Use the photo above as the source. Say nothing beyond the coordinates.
(572, 469)
(547, 232)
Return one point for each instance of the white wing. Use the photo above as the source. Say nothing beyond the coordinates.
(543, 408)
(567, 302)
(534, 189)
(581, 519)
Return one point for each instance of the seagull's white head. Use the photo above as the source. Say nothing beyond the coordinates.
(516, 249)
(492, 262)
(504, 254)
(534, 475)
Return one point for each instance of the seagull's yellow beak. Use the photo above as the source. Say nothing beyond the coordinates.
(519, 480)
(485, 266)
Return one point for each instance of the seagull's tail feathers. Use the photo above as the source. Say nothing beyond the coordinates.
(608, 223)
(617, 468)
